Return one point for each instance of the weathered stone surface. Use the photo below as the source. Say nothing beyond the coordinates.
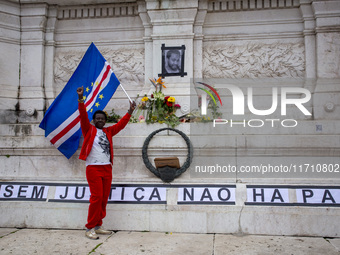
(44, 241)
(35, 241)
(42, 42)
(335, 242)
(271, 245)
(157, 243)
(7, 231)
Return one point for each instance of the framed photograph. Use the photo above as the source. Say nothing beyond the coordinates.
(173, 61)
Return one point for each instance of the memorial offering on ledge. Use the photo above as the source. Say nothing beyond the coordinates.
(158, 108)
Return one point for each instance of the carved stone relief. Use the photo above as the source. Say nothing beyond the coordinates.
(127, 64)
(65, 63)
(254, 60)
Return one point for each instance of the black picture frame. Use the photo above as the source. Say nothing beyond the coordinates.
(176, 53)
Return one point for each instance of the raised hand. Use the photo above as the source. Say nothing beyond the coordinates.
(80, 92)
(132, 107)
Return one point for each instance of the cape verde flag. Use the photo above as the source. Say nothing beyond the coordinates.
(61, 121)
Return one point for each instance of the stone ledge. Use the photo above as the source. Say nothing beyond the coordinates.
(304, 127)
(192, 219)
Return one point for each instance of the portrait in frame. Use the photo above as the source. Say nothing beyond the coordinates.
(173, 61)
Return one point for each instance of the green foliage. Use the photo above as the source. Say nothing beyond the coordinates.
(133, 119)
(158, 108)
(113, 117)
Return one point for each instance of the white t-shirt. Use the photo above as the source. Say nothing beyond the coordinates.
(100, 152)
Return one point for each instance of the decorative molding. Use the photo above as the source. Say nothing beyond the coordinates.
(9, 27)
(127, 64)
(101, 30)
(32, 42)
(10, 40)
(254, 60)
(231, 23)
(329, 107)
(102, 43)
(9, 91)
(93, 11)
(173, 36)
(329, 29)
(185, 108)
(30, 111)
(250, 5)
(258, 36)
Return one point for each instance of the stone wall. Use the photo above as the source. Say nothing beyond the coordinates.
(41, 43)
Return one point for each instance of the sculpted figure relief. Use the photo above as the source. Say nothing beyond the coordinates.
(127, 64)
(254, 60)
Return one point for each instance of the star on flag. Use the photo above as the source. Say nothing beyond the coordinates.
(87, 92)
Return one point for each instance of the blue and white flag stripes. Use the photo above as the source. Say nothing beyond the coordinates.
(61, 121)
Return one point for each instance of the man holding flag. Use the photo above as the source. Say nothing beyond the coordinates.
(66, 119)
(97, 150)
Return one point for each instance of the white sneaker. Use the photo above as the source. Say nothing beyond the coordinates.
(91, 234)
(102, 231)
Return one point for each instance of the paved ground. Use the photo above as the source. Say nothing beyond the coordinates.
(44, 241)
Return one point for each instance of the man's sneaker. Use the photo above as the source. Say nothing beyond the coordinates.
(91, 234)
(100, 230)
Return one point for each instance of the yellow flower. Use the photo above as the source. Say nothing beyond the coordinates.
(171, 100)
(144, 99)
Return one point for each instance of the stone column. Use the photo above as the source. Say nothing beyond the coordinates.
(309, 35)
(49, 91)
(31, 95)
(198, 39)
(148, 70)
(172, 25)
(10, 60)
(327, 92)
(327, 15)
(310, 45)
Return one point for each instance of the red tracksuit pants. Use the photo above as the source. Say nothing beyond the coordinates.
(99, 178)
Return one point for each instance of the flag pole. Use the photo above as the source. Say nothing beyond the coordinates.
(126, 93)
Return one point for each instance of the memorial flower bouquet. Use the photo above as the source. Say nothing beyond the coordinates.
(158, 108)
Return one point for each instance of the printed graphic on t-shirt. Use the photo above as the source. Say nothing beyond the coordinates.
(104, 144)
(100, 152)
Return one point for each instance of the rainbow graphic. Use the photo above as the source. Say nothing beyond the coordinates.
(204, 103)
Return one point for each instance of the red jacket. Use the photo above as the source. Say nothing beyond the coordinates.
(89, 132)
